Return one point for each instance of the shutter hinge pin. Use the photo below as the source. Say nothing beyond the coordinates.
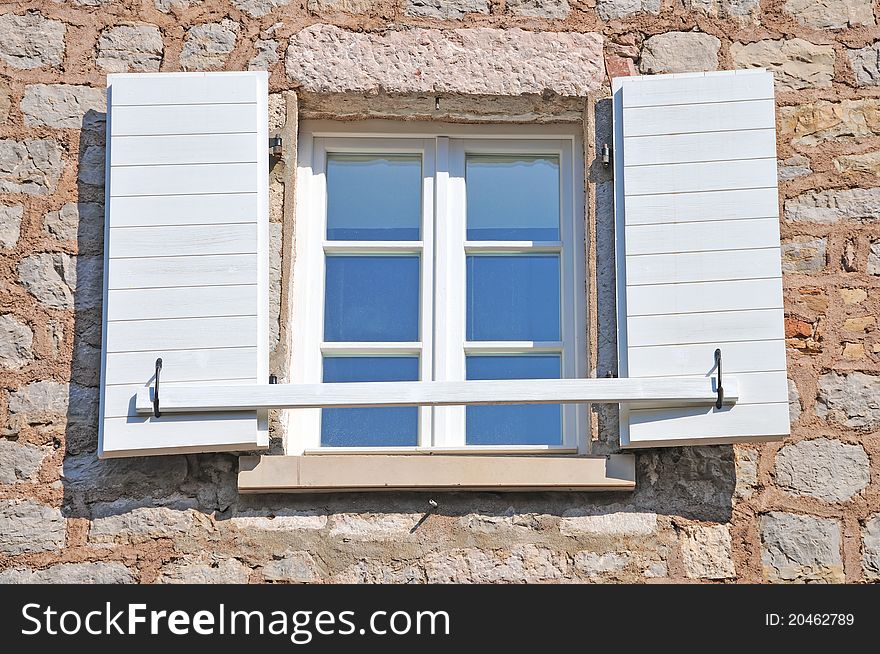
(606, 154)
(273, 379)
(276, 148)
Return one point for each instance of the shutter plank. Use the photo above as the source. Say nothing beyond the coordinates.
(699, 358)
(681, 329)
(703, 266)
(184, 119)
(168, 272)
(184, 179)
(741, 204)
(687, 148)
(660, 91)
(189, 88)
(189, 149)
(692, 297)
(181, 302)
(151, 211)
(684, 119)
(187, 240)
(202, 364)
(181, 333)
(696, 177)
(746, 234)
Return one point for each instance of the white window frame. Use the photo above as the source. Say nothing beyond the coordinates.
(442, 347)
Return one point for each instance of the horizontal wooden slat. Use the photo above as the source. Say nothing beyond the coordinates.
(182, 240)
(367, 394)
(218, 270)
(697, 177)
(699, 358)
(748, 325)
(186, 333)
(182, 365)
(704, 146)
(183, 119)
(703, 266)
(184, 179)
(684, 119)
(186, 88)
(702, 237)
(182, 302)
(206, 432)
(653, 91)
(748, 422)
(149, 211)
(119, 401)
(704, 296)
(184, 149)
(761, 387)
(710, 205)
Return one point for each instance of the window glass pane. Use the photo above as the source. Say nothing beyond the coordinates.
(374, 197)
(512, 198)
(514, 424)
(513, 297)
(371, 298)
(371, 426)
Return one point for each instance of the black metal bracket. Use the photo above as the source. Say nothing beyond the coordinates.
(719, 401)
(276, 146)
(156, 411)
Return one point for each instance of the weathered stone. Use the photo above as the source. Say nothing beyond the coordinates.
(130, 48)
(550, 9)
(865, 63)
(521, 564)
(27, 526)
(285, 521)
(31, 166)
(91, 166)
(823, 468)
(594, 564)
(871, 548)
(444, 9)
(31, 40)
(575, 523)
(805, 254)
(16, 342)
(167, 6)
(746, 471)
(795, 63)
(103, 572)
(859, 324)
(795, 166)
(482, 61)
(851, 399)
(53, 403)
(815, 299)
(794, 402)
(833, 14)
(800, 548)
(610, 9)
(823, 120)
(146, 524)
(379, 572)
(5, 103)
(867, 162)
(293, 567)
(510, 520)
(267, 55)
(82, 223)
(10, 224)
(706, 552)
(853, 351)
(64, 105)
(346, 6)
(108, 480)
(726, 8)
(207, 45)
(874, 259)
(861, 204)
(853, 295)
(195, 571)
(258, 8)
(62, 281)
(372, 527)
(679, 52)
(19, 462)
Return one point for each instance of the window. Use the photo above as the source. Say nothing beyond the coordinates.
(444, 253)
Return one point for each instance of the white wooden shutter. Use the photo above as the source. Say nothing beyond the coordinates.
(186, 255)
(698, 254)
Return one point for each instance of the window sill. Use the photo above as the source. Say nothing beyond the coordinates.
(436, 472)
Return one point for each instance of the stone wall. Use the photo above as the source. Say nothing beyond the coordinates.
(807, 509)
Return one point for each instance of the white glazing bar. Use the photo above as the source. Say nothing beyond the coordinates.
(671, 392)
